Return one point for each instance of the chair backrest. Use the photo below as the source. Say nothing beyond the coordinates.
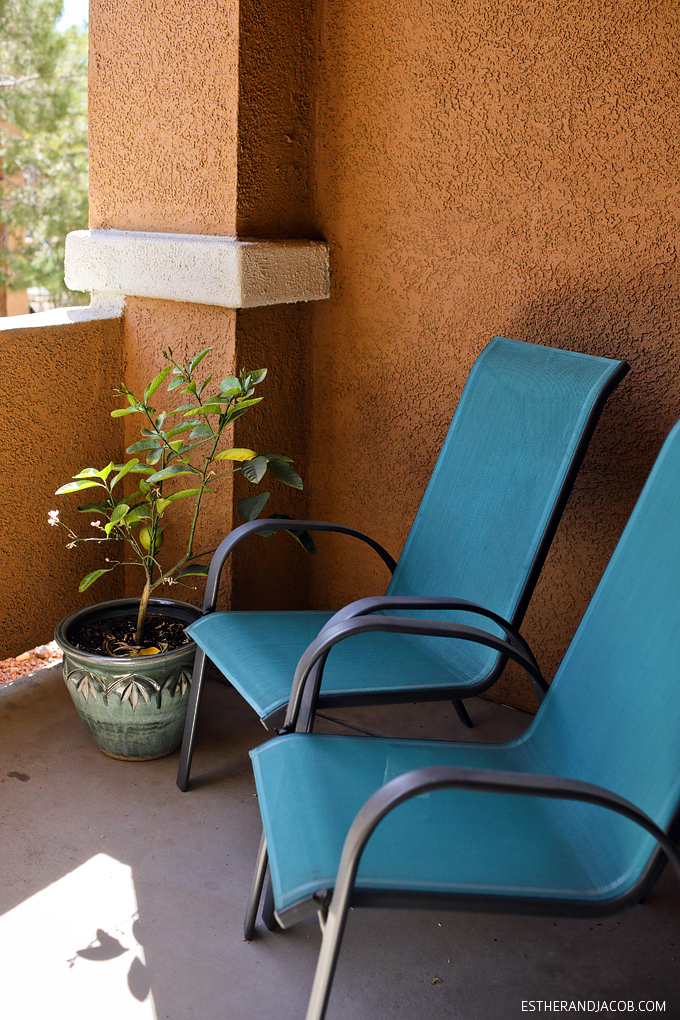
(503, 476)
(612, 715)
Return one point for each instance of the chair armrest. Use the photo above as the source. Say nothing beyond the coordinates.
(276, 524)
(330, 636)
(376, 603)
(425, 780)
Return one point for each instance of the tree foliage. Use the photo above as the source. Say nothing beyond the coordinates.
(43, 138)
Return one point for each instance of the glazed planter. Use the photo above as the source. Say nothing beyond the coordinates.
(135, 707)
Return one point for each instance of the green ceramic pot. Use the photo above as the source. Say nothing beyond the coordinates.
(134, 708)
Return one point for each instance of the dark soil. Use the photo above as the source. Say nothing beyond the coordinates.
(117, 635)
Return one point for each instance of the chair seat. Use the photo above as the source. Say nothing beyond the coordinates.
(259, 651)
(310, 788)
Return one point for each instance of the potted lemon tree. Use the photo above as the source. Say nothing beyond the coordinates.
(128, 663)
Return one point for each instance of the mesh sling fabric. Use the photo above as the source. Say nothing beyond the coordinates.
(476, 535)
(611, 717)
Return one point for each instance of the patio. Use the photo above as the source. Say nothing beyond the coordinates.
(124, 898)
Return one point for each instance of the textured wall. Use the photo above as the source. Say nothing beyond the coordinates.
(163, 94)
(479, 168)
(276, 67)
(58, 382)
(489, 168)
(163, 119)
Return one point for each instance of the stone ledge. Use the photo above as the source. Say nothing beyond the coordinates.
(196, 268)
(102, 306)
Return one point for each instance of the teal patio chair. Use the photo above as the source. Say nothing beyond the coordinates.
(575, 817)
(481, 535)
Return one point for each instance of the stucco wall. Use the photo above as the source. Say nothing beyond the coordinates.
(478, 168)
(58, 384)
(489, 168)
(163, 115)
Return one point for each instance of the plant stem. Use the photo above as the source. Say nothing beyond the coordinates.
(141, 616)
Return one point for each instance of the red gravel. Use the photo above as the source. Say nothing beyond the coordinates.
(37, 658)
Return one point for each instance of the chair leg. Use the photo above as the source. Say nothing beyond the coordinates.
(189, 737)
(268, 919)
(333, 928)
(255, 891)
(462, 714)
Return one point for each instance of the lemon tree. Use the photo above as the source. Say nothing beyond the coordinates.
(179, 457)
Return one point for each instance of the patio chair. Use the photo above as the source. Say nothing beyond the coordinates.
(483, 530)
(576, 817)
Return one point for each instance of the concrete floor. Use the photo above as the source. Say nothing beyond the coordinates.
(123, 898)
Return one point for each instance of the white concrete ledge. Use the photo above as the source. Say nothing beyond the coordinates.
(102, 306)
(197, 268)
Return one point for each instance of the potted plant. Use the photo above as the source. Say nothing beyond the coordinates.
(128, 663)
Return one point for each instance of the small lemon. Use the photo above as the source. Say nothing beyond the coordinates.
(145, 538)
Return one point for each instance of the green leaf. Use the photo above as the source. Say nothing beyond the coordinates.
(191, 446)
(144, 444)
(120, 412)
(176, 445)
(198, 359)
(182, 428)
(155, 383)
(100, 508)
(230, 382)
(252, 506)
(131, 464)
(254, 469)
(233, 413)
(138, 513)
(305, 540)
(257, 376)
(92, 577)
(174, 383)
(119, 513)
(141, 469)
(159, 420)
(242, 404)
(166, 501)
(154, 456)
(286, 473)
(183, 407)
(116, 517)
(171, 471)
(237, 453)
(191, 388)
(300, 536)
(144, 487)
(278, 456)
(88, 473)
(207, 409)
(201, 432)
(203, 385)
(197, 570)
(78, 486)
(226, 395)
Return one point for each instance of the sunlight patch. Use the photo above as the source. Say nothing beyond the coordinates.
(72, 950)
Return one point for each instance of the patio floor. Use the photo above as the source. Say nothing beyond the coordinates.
(123, 898)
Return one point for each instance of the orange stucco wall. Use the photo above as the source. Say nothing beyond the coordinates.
(58, 384)
(487, 168)
(163, 94)
(478, 168)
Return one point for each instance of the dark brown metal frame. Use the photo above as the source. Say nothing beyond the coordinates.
(334, 907)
